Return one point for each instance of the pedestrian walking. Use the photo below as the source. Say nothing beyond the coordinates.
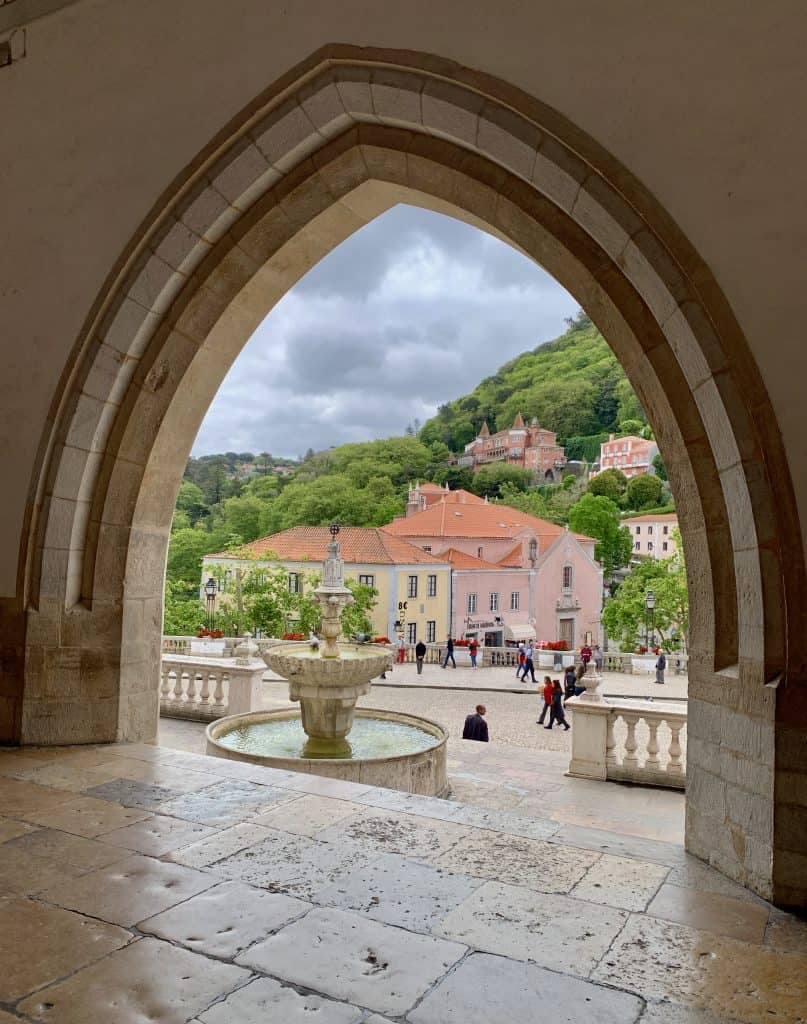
(529, 665)
(556, 713)
(473, 647)
(569, 681)
(585, 658)
(547, 697)
(661, 664)
(521, 659)
(449, 653)
(401, 646)
(599, 659)
(420, 654)
(476, 728)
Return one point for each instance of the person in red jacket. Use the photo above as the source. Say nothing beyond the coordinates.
(473, 647)
(547, 699)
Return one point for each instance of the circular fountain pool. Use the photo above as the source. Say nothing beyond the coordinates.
(387, 748)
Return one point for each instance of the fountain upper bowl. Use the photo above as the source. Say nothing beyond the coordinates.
(357, 663)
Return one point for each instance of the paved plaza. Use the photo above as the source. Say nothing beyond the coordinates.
(147, 883)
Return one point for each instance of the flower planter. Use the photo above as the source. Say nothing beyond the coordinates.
(643, 664)
(211, 648)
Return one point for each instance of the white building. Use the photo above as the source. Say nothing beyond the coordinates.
(652, 535)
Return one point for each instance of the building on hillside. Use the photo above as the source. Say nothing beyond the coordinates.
(652, 535)
(413, 586)
(514, 576)
(528, 447)
(631, 455)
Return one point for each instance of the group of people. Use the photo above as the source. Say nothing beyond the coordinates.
(553, 703)
(526, 660)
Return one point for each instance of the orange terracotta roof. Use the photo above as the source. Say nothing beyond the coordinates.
(359, 544)
(462, 560)
(430, 488)
(479, 519)
(518, 422)
(663, 517)
(512, 560)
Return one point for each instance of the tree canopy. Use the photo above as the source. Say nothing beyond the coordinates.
(625, 615)
(597, 516)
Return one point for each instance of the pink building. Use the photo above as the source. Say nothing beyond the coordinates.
(631, 455)
(514, 576)
(529, 447)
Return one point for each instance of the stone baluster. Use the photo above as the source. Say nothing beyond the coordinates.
(204, 693)
(674, 765)
(178, 682)
(610, 742)
(165, 685)
(630, 760)
(218, 690)
(652, 760)
(191, 691)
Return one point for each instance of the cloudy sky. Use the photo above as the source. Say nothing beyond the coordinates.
(410, 312)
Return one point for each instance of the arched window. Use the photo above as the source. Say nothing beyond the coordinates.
(568, 577)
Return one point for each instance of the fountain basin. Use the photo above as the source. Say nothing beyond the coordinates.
(356, 665)
(421, 771)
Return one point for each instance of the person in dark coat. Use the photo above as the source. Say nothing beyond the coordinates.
(420, 654)
(570, 680)
(661, 665)
(476, 728)
(556, 711)
(450, 652)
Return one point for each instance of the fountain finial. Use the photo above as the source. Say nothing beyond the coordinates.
(333, 573)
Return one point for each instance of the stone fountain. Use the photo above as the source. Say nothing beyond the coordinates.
(329, 680)
(387, 748)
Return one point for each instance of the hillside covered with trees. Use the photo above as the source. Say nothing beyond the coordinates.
(574, 386)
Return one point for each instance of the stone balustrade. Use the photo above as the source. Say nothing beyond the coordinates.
(488, 657)
(203, 689)
(628, 740)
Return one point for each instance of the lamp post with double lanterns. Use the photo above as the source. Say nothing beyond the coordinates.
(211, 589)
(650, 619)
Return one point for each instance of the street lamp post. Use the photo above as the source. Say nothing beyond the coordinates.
(211, 589)
(606, 593)
(650, 619)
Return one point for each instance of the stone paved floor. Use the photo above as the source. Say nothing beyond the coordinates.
(144, 883)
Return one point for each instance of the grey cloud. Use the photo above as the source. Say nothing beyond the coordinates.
(410, 312)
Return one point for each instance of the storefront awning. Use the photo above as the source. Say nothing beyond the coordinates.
(519, 633)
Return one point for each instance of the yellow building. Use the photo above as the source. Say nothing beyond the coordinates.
(414, 586)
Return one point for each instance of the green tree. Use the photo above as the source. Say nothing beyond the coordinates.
(270, 604)
(624, 615)
(182, 615)
(660, 468)
(458, 478)
(631, 427)
(597, 516)
(186, 550)
(191, 501)
(490, 479)
(531, 502)
(643, 491)
(611, 483)
(628, 405)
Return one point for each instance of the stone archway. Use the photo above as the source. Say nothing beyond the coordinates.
(323, 152)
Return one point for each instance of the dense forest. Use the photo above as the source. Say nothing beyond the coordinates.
(573, 385)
